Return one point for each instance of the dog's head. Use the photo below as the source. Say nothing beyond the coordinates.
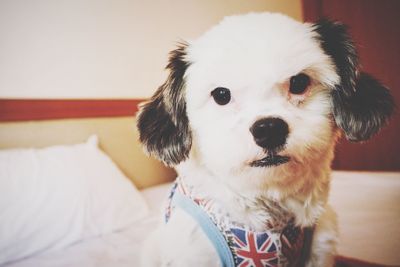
(262, 93)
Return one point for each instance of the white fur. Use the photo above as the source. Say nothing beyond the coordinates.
(254, 56)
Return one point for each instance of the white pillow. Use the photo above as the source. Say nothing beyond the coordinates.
(55, 196)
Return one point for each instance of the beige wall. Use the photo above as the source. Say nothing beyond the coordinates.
(103, 48)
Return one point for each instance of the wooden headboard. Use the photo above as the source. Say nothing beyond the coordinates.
(46, 109)
(40, 123)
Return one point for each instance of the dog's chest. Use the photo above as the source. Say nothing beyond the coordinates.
(259, 214)
(278, 243)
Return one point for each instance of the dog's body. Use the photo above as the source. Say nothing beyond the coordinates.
(249, 117)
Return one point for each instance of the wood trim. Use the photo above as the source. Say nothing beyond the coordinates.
(47, 109)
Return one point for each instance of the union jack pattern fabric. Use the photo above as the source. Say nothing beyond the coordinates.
(254, 249)
(270, 248)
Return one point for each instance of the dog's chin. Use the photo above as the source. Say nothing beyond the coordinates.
(272, 160)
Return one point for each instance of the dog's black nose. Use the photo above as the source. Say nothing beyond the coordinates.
(270, 133)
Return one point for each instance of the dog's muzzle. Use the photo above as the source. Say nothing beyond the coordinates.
(270, 134)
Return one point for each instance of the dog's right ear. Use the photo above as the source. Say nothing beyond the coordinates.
(162, 121)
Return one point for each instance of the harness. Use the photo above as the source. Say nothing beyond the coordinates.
(235, 243)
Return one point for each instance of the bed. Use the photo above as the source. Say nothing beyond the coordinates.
(127, 191)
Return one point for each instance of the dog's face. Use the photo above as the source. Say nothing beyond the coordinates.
(262, 95)
(257, 95)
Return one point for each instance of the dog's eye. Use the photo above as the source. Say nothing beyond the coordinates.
(221, 95)
(299, 83)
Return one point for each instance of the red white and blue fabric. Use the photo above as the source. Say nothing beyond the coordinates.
(254, 249)
(246, 248)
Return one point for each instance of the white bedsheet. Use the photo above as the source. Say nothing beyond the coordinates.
(368, 206)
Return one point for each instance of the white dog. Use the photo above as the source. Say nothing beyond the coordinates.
(249, 117)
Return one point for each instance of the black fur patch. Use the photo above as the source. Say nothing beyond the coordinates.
(366, 111)
(162, 122)
(337, 43)
(361, 105)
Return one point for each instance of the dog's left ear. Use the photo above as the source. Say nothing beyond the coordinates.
(162, 121)
(361, 105)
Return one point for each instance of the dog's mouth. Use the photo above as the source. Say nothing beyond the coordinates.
(271, 160)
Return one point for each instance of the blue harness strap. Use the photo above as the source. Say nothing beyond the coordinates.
(208, 226)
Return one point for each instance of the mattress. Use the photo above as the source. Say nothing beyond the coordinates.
(368, 209)
(367, 204)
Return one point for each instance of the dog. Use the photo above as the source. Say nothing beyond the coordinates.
(249, 117)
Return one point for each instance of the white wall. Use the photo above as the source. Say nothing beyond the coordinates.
(103, 48)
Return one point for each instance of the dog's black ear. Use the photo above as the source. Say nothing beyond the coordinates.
(362, 114)
(361, 105)
(336, 43)
(162, 121)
